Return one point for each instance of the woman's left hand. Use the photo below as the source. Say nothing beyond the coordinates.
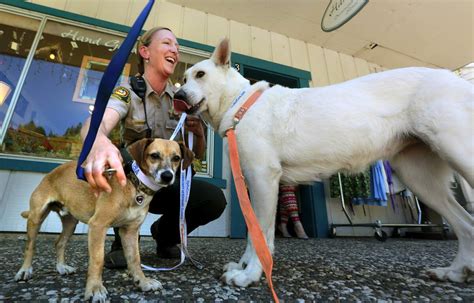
(194, 124)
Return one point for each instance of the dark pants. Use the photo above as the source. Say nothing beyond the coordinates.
(206, 203)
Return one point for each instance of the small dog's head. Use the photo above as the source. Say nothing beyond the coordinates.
(208, 83)
(160, 159)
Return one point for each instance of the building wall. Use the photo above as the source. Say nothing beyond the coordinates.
(326, 67)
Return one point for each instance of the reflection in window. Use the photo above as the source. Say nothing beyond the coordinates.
(46, 121)
(16, 37)
(61, 85)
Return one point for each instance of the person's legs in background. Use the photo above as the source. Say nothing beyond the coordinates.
(283, 226)
(289, 204)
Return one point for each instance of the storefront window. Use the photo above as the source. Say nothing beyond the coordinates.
(60, 86)
(16, 38)
(59, 91)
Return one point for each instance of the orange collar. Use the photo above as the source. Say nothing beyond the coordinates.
(245, 107)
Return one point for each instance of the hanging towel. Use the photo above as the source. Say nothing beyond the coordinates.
(379, 188)
(388, 175)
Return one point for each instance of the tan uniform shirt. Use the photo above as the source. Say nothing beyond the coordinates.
(159, 112)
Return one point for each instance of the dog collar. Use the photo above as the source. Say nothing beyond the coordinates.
(238, 97)
(141, 181)
(247, 104)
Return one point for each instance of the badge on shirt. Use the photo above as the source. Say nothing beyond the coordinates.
(121, 93)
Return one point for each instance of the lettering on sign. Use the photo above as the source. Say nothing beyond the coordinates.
(339, 12)
(112, 44)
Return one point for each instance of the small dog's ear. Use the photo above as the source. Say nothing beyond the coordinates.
(187, 155)
(221, 55)
(137, 150)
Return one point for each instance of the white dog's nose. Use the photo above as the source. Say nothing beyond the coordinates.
(180, 95)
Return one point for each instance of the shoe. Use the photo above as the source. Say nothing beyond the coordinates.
(168, 252)
(115, 259)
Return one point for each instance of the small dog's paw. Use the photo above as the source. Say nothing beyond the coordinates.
(64, 269)
(149, 284)
(236, 278)
(24, 274)
(231, 266)
(96, 293)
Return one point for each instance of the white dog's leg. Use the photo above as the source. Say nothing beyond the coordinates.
(263, 186)
(244, 260)
(69, 224)
(429, 177)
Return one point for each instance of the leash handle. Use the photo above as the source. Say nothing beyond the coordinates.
(107, 84)
(255, 231)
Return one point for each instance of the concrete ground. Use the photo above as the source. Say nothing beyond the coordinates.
(341, 269)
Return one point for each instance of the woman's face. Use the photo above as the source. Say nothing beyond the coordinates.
(162, 52)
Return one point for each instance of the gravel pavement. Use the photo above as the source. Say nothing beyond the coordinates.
(322, 270)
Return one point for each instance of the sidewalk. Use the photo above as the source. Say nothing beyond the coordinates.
(341, 269)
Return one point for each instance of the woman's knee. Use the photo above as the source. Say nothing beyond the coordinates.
(211, 201)
(218, 203)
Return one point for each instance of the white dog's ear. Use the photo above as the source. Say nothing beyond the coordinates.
(221, 55)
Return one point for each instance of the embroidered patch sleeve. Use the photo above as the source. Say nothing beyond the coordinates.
(121, 93)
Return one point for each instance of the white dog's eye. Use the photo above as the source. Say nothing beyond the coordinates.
(200, 74)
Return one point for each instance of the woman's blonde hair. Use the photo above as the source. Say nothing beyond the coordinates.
(145, 40)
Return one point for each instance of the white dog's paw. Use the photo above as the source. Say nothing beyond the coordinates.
(450, 274)
(24, 274)
(148, 284)
(231, 266)
(96, 293)
(64, 269)
(237, 277)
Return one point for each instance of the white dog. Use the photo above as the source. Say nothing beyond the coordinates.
(418, 118)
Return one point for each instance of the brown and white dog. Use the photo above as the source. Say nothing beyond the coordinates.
(124, 207)
(420, 119)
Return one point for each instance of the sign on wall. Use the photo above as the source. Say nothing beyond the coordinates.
(339, 12)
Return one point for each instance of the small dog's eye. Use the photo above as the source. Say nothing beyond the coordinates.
(155, 156)
(184, 80)
(200, 74)
(176, 158)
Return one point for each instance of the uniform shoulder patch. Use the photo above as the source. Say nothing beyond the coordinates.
(122, 93)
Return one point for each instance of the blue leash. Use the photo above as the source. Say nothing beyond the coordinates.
(107, 84)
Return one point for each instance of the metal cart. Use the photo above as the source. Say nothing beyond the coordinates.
(380, 234)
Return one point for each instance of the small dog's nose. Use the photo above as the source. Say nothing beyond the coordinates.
(180, 95)
(166, 176)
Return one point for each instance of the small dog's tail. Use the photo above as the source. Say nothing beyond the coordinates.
(25, 214)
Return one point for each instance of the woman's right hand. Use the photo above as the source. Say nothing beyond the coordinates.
(103, 155)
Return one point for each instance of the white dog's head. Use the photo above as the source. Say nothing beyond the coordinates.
(210, 85)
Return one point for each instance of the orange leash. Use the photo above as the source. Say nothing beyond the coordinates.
(255, 231)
